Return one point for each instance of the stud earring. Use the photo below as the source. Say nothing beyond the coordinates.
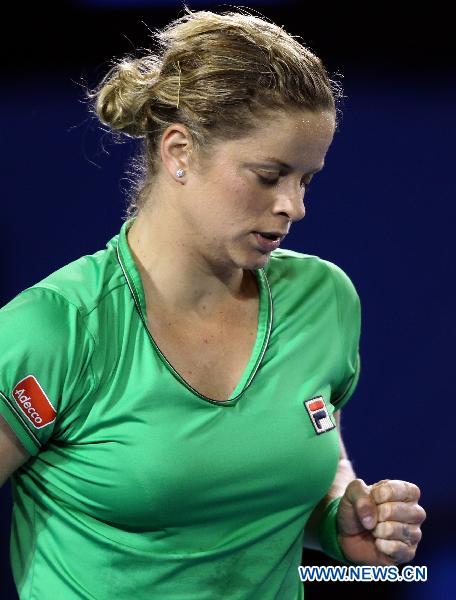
(180, 173)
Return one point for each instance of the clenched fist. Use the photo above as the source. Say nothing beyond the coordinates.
(380, 524)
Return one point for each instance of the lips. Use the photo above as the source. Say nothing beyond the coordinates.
(272, 235)
(269, 235)
(266, 244)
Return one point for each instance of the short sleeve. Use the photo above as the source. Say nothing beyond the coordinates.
(45, 353)
(349, 321)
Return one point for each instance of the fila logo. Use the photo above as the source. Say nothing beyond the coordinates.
(319, 415)
(33, 402)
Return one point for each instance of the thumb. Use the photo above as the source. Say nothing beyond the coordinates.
(358, 495)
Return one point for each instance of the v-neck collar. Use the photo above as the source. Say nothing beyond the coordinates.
(264, 325)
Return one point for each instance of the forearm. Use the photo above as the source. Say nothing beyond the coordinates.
(344, 475)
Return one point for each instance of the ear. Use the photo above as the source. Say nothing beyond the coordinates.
(175, 148)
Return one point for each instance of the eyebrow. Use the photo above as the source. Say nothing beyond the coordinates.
(288, 167)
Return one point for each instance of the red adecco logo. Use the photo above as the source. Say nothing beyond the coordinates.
(33, 402)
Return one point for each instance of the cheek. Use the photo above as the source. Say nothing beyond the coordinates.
(243, 195)
(232, 200)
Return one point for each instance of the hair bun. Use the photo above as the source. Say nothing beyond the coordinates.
(124, 95)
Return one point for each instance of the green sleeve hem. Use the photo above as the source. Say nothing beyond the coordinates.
(19, 428)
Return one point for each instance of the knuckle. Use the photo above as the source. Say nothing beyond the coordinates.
(410, 554)
(420, 514)
(363, 485)
(415, 491)
(416, 536)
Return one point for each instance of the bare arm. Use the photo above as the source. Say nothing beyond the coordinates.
(344, 475)
(12, 453)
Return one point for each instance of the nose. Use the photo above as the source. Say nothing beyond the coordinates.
(291, 203)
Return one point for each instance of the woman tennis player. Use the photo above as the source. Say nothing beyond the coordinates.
(170, 405)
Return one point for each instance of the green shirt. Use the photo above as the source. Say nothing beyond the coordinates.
(138, 485)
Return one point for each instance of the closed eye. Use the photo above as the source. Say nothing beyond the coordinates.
(266, 181)
(271, 182)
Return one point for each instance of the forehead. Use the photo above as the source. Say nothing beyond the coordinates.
(289, 136)
(295, 126)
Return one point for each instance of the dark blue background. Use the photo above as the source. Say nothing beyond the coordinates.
(382, 209)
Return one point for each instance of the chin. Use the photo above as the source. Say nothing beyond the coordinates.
(257, 263)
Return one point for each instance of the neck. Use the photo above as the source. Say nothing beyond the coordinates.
(177, 276)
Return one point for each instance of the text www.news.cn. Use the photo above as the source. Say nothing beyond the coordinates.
(362, 573)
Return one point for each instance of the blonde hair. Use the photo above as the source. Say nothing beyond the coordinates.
(216, 74)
